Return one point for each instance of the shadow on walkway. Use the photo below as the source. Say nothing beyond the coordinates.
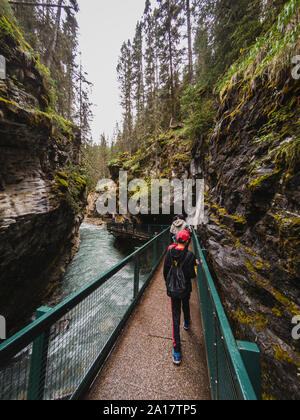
(141, 367)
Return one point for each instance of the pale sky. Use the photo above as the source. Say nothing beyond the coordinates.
(103, 26)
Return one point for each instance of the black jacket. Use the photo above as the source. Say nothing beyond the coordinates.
(179, 255)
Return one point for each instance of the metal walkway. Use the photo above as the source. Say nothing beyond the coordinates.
(59, 355)
(138, 232)
(141, 367)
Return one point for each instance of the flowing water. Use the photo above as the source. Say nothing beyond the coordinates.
(76, 340)
(99, 251)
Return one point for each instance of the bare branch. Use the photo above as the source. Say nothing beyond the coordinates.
(39, 5)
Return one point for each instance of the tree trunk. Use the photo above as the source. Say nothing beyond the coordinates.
(171, 73)
(49, 59)
(189, 34)
(70, 92)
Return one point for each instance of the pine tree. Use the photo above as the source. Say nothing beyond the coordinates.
(151, 57)
(170, 14)
(138, 80)
(53, 43)
(52, 33)
(83, 114)
(125, 78)
(117, 141)
(228, 16)
(204, 67)
(103, 152)
(189, 38)
(225, 29)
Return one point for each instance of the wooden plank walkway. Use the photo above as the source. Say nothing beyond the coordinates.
(141, 367)
(123, 234)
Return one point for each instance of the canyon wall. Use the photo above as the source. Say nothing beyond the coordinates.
(41, 193)
(251, 166)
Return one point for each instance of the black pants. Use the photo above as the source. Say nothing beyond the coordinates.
(176, 305)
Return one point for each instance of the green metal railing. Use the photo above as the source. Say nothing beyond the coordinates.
(234, 366)
(59, 354)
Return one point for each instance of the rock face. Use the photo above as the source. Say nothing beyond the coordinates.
(166, 157)
(41, 195)
(252, 227)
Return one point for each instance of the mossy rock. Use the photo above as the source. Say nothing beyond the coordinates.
(62, 184)
(62, 175)
(70, 186)
(258, 321)
(182, 159)
(261, 192)
(264, 182)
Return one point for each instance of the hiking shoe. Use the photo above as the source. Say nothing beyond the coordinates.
(187, 326)
(176, 358)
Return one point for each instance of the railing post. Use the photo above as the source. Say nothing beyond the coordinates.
(136, 276)
(154, 254)
(251, 357)
(38, 363)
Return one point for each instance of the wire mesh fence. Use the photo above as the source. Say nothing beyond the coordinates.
(14, 377)
(146, 262)
(54, 357)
